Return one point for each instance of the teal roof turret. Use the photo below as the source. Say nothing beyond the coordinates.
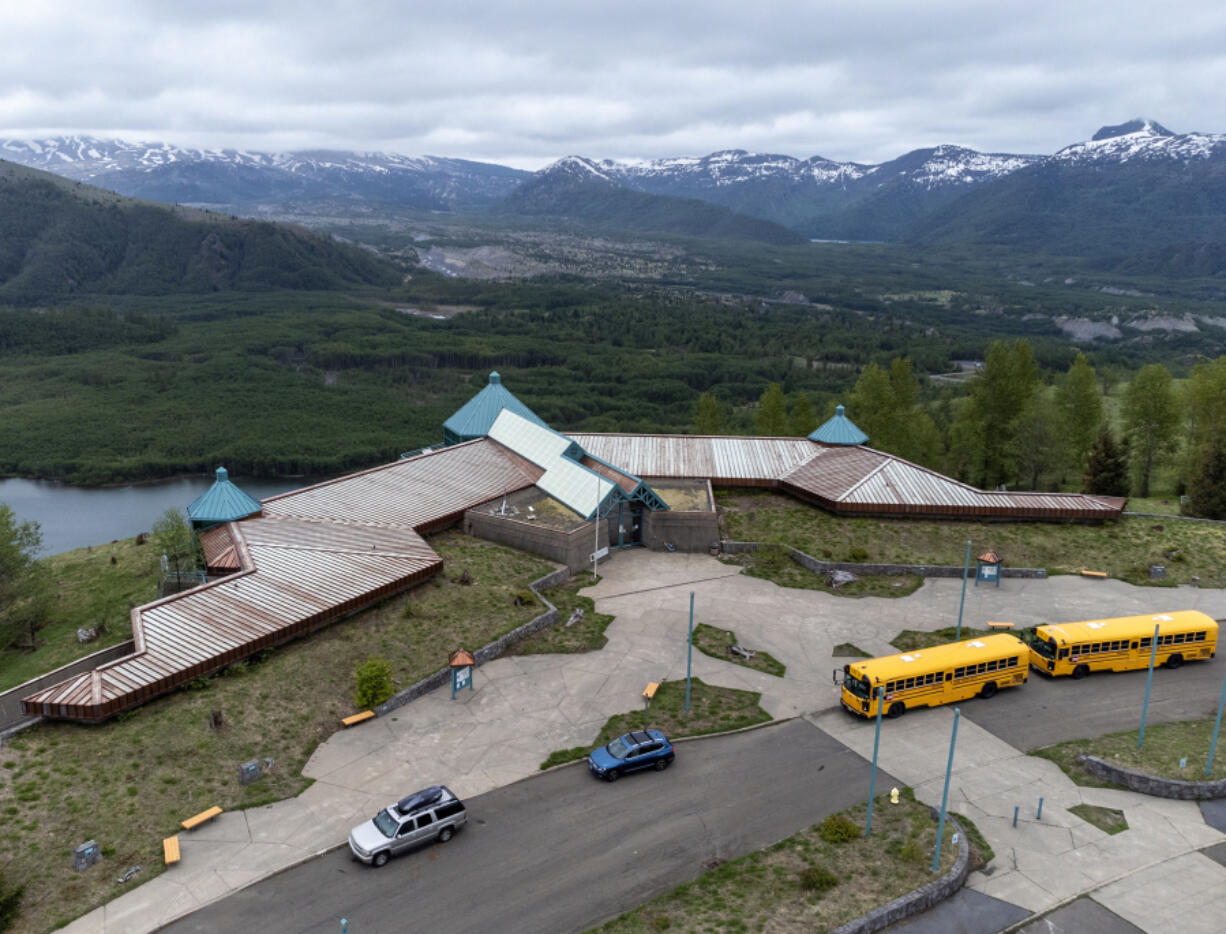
(222, 502)
(839, 430)
(475, 418)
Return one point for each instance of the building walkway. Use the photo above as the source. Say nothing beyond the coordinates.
(475, 743)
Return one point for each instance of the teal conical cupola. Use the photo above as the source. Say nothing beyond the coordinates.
(476, 416)
(222, 502)
(839, 430)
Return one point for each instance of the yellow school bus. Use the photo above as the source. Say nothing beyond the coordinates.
(942, 674)
(1121, 644)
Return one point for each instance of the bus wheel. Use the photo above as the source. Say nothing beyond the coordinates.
(988, 690)
(895, 710)
(1174, 661)
(1080, 672)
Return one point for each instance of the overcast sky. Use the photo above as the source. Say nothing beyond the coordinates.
(525, 83)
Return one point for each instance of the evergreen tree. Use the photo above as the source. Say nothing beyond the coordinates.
(1204, 401)
(803, 420)
(999, 393)
(772, 416)
(1080, 405)
(1036, 437)
(708, 415)
(24, 585)
(1150, 420)
(1207, 489)
(1107, 466)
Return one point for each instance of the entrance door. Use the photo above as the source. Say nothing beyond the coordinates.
(626, 525)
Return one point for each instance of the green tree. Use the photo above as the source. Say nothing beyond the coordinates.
(804, 422)
(872, 400)
(772, 416)
(1204, 401)
(986, 430)
(708, 415)
(1036, 443)
(24, 585)
(1107, 466)
(1080, 407)
(173, 537)
(374, 683)
(1151, 419)
(887, 407)
(1207, 486)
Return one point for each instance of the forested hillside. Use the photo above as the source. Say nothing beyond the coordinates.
(60, 238)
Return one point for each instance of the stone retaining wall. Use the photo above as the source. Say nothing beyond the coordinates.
(920, 899)
(1152, 784)
(488, 652)
(924, 570)
(11, 713)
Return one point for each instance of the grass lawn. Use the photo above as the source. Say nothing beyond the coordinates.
(1165, 745)
(806, 882)
(775, 564)
(90, 590)
(848, 650)
(585, 636)
(712, 710)
(910, 640)
(1124, 548)
(713, 641)
(1107, 819)
(128, 782)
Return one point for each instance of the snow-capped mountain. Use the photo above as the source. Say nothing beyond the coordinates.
(163, 172)
(1139, 140)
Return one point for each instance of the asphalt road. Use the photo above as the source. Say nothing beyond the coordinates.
(563, 851)
(1053, 710)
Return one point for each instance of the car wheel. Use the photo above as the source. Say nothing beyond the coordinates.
(612, 775)
(1174, 661)
(896, 710)
(445, 834)
(661, 765)
(1080, 672)
(988, 690)
(380, 859)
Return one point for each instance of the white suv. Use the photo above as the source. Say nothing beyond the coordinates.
(433, 813)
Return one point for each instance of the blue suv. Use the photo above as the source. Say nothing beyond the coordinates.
(640, 749)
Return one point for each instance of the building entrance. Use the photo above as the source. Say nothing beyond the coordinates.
(626, 524)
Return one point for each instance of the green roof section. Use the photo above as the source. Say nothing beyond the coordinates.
(222, 502)
(475, 418)
(839, 430)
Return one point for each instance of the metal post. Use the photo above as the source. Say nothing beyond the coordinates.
(344, 926)
(596, 528)
(1016, 808)
(949, 767)
(1216, 726)
(1149, 680)
(966, 568)
(689, 654)
(1039, 816)
(872, 781)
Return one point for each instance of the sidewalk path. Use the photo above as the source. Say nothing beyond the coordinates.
(477, 742)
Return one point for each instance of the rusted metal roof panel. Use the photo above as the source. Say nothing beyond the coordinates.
(709, 457)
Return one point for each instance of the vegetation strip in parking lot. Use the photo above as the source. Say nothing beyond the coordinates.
(1124, 548)
(911, 640)
(1110, 820)
(713, 709)
(848, 650)
(815, 880)
(716, 642)
(587, 635)
(1165, 745)
(128, 782)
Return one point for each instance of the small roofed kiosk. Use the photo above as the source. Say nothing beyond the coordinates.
(222, 502)
(987, 567)
(476, 417)
(839, 429)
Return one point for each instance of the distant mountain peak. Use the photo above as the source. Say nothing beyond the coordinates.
(576, 167)
(1141, 125)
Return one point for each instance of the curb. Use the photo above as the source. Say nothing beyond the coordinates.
(1153, 784)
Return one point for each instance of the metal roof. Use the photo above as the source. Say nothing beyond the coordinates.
(715, 457)
(838, 430)
(222, 502)
(476, 416)
(564, 478)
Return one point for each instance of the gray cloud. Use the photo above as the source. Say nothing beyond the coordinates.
(524, 83)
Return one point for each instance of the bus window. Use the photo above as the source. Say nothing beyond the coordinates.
(1064, 653)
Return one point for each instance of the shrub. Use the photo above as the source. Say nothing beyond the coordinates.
(912, 851)
(818, 879)
(838, 828)
(374, 682)
(857, 555)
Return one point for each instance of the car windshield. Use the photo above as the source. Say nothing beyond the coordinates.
(386, 823)
(617, 749)
(1045, 647)
(857, 686)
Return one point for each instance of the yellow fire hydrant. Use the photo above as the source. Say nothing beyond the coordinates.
(893, 796)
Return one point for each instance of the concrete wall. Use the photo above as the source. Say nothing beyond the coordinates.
(571, 548)
(685, 531)
(10, 701)
(1152, 784)
(924, 570)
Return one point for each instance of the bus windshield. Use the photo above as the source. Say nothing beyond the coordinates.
(1045, 647)
(857, 686)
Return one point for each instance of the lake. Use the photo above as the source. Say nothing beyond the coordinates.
(73, 517)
